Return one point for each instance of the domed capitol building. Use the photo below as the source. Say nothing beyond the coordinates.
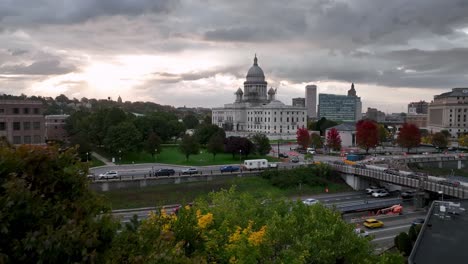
(257, 111)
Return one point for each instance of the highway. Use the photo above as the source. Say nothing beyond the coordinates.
(382, 238)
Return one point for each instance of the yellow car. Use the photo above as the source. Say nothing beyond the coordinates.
(373, 223)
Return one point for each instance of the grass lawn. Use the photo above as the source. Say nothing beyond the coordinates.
(171, 155)
(187, 192)
(95, 163)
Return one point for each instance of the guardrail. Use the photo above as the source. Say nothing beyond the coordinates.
(421, 183)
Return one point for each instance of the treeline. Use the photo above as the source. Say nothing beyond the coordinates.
(49, 215)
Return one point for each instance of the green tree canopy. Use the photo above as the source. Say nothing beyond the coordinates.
(153, 144)
(124, 137)
(215, 145)
(190, 121)
(439, 140)
(47, 212)
(189, 146)
(262, 144)
(204, 132)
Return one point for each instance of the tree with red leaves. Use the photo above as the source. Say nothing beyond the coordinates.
(409, 136)
(303, 137)
(334, 139)
(367, 134)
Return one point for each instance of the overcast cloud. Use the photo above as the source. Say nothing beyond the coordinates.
(196, 53)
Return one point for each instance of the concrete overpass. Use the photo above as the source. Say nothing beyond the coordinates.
(358, 178)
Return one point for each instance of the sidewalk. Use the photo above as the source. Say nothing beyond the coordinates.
(101, 158)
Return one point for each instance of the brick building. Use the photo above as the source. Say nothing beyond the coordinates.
(22, 122)
(55, 127)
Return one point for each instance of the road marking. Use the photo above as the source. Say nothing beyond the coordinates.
(384, 238)
(388, 229)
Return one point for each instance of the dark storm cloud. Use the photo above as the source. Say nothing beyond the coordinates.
(46, 67)
(166, 77)
(73, 11)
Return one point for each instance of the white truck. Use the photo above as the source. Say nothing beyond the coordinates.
(255, 164)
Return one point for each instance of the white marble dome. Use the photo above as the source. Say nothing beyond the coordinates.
(255, 73)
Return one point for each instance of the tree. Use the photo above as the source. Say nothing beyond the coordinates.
(204, 132)
(207, 120)
(189, 146)
(463, 140)
(404, 243)
(334, 139)
(153, 144)
(446, 133)
(238, 145)
(316, 140)
(409, 136)
(367, 134)
(233, 227)
(48, 213)
(323, 124)
(439, 140)
(303, 137)
(190, 121)
(215, 145)
(123, 137)
(262, 144)
(383, 133)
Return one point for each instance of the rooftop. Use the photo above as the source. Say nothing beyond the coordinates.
(345, 127)
(444, 235)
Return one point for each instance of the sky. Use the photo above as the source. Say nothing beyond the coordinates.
(197, 52)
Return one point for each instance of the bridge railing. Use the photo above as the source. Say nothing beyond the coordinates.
(429, 185)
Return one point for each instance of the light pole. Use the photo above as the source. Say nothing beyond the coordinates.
(120, 157)
(87, 153)
(240, 160)
(441, 195)
(155, 154)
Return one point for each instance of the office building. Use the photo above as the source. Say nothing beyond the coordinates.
(346, 108)
(418, 107)
(376, 115)
(300, 102)
(22, 122)
(311, 101)
(448, 111)
(55, 128)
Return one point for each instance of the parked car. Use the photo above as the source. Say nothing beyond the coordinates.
(108, 175)
(229, 168)
(295, 159)
(190, 171)
(361, 232)
(450, 183)
(164, 172)
(372, 189)
(310, 201)
(408, 194)
(91, 176)
(311, 151)
(360, 166)
(418, 221)
(272, 165)
(380, 193)
(373, 223)
(283, 155)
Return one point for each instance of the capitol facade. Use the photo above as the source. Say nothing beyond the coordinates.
(256, 110)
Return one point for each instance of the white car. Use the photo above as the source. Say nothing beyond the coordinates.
(380, 193)
(108, 175)
(310, 201)
(361, 232)
(372, 189)
(190, 171)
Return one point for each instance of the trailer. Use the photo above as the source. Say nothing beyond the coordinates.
(366, 205)
(255, 164)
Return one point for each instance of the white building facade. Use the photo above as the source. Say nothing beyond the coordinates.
(449, 112)
(256, 110)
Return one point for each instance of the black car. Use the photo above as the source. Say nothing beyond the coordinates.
(295, 159)
(283, 155)
(164, 172)
(392, 172)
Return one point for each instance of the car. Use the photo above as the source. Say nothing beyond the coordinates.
(392, 172)
(359, 166)
(229, 168)
(361, 232)
(108, 175)
(164, 172)
(380, 193)
(295, 159)
(408, 194)
(450, 183)
(283, 155)
(372, 189)
(311, 151)
(91, 176)
(272, 165)
(418, 221)
(310, 201)
(373, 223)
(190, 171)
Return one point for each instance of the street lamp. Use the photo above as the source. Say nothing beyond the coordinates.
(87, 153)
(441, 193)
(120, 157)
(155, 153)
(240, 160)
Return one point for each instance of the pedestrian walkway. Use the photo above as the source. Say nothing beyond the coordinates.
(101, 158)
